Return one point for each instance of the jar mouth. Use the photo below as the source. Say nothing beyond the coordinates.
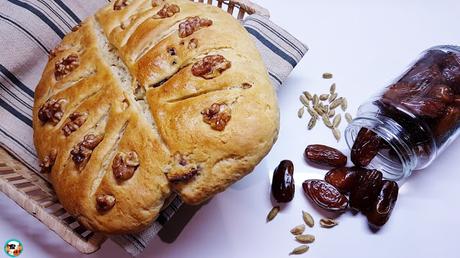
(397, 160)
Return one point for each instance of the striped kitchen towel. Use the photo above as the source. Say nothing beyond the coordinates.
(30, 29)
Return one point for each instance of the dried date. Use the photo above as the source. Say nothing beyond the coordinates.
(325, 156)
(365, 147)
(344, 179)
(425, 106)
(283, 186)
(381, 210)
(451, 71)
(363, 196)
(447, 124)
(325, 195)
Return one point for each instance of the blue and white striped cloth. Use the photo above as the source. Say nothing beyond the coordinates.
(30, 29)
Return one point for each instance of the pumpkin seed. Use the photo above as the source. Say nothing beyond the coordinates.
(319, 110)
(323, 97)
(327, 75)
(312, 123)
(336, 133)
(304, 100)
(307, 95)
(332, 88)
(331, 113)
(298, 230)
(336, 121)
(348, 117)
(308, 219)
(328, 223)
(315, 100)
(344, 104)
(312, 112)
(336, 103)
(273, 212)
(299, 250)
(326, 121)
(305, 239)
(300, 112)
(332, 97)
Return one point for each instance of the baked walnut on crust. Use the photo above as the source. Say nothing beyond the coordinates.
(210, 66)
(167, 11)
(52, 111)
(48, 161)
(192, 24)
(65, 66)
(77, 119)
(124, 165)
(217, 116)
(82, 151)
(105, 202)
(178, 178)
(120, 4)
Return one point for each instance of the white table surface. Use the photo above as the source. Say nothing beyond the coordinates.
(364, 44)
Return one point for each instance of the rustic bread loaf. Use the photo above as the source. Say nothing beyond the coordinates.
(145, 98)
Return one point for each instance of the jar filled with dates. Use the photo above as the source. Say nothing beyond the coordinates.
(407, 125)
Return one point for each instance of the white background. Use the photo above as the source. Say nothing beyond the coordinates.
(364, 44)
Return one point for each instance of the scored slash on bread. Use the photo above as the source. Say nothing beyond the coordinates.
(146, 98)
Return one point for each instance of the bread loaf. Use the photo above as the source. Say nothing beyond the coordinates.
(145, 98)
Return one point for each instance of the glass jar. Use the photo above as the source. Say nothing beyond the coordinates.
(413, 119)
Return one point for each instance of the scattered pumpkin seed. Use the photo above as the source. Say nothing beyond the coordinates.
(307, 95)
(331, 113)
(315, 100)
(319, 110)
(332, 97)
(299, 250)
(304, 100)
(324, 97)
(327, 75)
(273, 212)
(344, 104)
(336, 133)
(300, 112)
(328, 223)
(336, 121)
(298, 230)
(305, 239)
(337, 102)
(348, 117)
(326, 121)
(312, 112)
(308, 219)
(332, 88)
(312, 123)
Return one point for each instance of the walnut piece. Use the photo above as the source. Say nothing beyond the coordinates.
(156, 3)
(52, 111)
(82, 151)
(124, 165)
(105, 202)
(120, 4)
(217, 116)
(210, 66)
(193, 43)
(246, 85)
(192, 24)
(167, 11)
(77, 119)
(178, 178)
(48, 161)
(65, 66)
(59, 48)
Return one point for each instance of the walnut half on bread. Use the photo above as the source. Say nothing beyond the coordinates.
(147, 98)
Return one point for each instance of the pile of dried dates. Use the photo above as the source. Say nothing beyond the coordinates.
(343, 187)
(357, 187)
(425, 100)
